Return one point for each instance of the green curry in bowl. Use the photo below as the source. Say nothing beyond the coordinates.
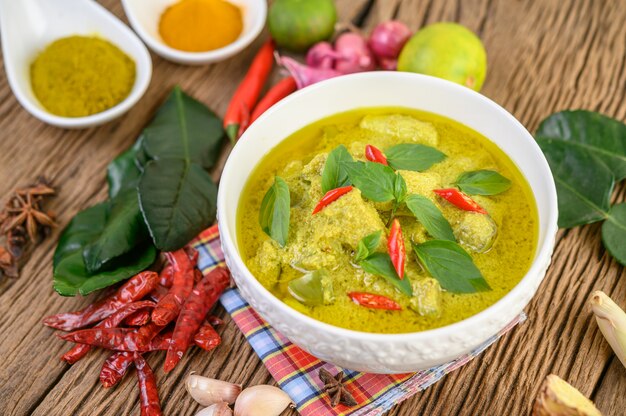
(387, 220)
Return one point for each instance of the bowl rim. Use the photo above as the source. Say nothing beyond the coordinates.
(197, 58)
(543, 251)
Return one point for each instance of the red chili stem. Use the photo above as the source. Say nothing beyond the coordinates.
(397, 251)
(207, 337)
(371, 300)
(282, 89)
(132, 290)
(148, 392)
(374, 154)
(198, 304)
(460, 200)
(330, 197)
(249, 90)
(168, 308)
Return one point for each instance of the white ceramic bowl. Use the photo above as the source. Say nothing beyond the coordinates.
(28, 26)
(144, 17)
(387, 353)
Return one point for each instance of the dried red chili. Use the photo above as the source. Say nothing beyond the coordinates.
(207, 337)
(148, 392)
(283, 88)
(374, 154)
(166, 276)
(158, 293)
(249, 90)
(80, 350)
(370, 300)
(134, 289)
(118, 339)
(146, 333)
(397, 251)
(460, 200)
(139, 318)
(330, 197)
(168, 308)
(115, 367)
(197, 305)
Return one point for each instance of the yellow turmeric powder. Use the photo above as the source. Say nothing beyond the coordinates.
(200, 25)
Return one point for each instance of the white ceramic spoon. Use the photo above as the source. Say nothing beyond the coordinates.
(28, 26)
(144, 17)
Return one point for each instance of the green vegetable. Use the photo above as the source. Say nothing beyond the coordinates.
(367, 245)
(375, 181)
(275, 211)
(70, 274)
(312, 289)
(177, 199)
(298, 24)
(453, 268)
(415, 157)
(614, 232)
(483, 182)
(334, 174)
(430, 217)
(379, 264)
(123, 172)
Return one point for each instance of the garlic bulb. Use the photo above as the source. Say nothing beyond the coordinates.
(262, 400)
(208, 391)
(217, 409)
(612, 322)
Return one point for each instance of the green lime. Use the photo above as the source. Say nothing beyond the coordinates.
(298, 24)
(446, 50)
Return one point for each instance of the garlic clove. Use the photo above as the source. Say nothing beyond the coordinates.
(216, 409)
(611, 321)
(208, 391)
(558, 398)
(262, 400)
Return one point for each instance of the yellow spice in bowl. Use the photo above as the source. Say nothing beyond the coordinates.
(78, 76)
(200, 25)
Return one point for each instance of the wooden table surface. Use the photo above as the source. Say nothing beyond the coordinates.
(544, 56)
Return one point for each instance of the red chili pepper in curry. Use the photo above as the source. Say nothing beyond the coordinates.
(374, 154)
(330, 197)
(397, 251)
(460, 200)
(373, 301)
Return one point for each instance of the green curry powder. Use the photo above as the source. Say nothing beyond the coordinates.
(78, 76)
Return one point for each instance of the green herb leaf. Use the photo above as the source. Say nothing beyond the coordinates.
(410, 156)
(584, 184)
(483, 182)
(70, 274)
(335, 174)
(124, 230)
(602, 136)
(375, 181)
(184, 128)
(275, 211)
(614, 233)
(367, 245)
(399, 189)
(379, 264)
(430, 217)
(453, 268)
(178, 201)
(122, 172)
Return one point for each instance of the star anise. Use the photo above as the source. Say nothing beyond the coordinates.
(336, 389)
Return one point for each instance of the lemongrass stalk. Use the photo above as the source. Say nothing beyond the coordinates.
(612, 322)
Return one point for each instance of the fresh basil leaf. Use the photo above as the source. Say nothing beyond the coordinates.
(583, 183)
(411, 156)
(177, 199)
(275, 211)
(123, 172)
(367, 245)
(379, 264)
(334, 174)
(483, 182)
(602, 136)
(399, 189)
(614, 233)
(453, 268)
(430, 217)
(124, 230)
(375, 181)
(184, 128)
(71, 276)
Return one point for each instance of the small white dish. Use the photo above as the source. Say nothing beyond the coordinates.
(28, 26)
(386, 353)
(144, 16)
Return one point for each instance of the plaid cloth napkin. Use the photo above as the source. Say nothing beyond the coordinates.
(296, 371)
